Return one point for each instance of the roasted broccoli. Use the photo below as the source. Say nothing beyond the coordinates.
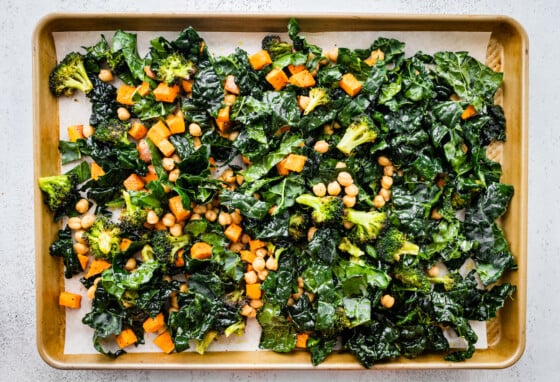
(392, 244)
(165, 246)
(352, 249)
(132, 217)
(359, 132)
(69, 75)
(415, 279)
(367, 225)
(298, 225)
(326, 209)
(175, 67)
(275, 46)
(112, 131)
(103, 238)
(59, 191)
(317, 97)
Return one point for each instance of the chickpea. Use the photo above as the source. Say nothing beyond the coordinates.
(80, 248)
(389, 170)
(385, 194)
(321, 146)
(195, 130)
(319, 189)
(236, 247)
(348, 225)
(333, 188)
(435, 214)
(300, 283)
(310, 232)
(272, 210)
(332, 54)
(88, 131)
(256, 304)
(168, 163)
(250, 277)
(351, 190)
(197, 142)
(263, 274)
(199, 209)
(272, 263)
(183, 288)
(378, 201)
(236, 217)
(310, 296)
(87, 221)
(387, 301)
(152, 217)
(239, 179)
(105, 75)
(195, 217)
(328, 130)
(91, 291)
(248, 311)
(211, 215)
(173, 175)
(433, 271)
(123, 114)
(261, 252)
(340, 165)
(130, 264)
(168, 220)
(384, 161)
(336, 125)
(349, 201)
(228, 176)
(75, 223)
(258, 264)
(224, 218)
(176, 230)
(386, 182)
(166, 278)
(144, 150)
(290, 302)
(344, 178)
(79, 236)
(229, 99)
(82, 206)
(245, 238)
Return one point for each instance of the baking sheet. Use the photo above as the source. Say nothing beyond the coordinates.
(76, 110)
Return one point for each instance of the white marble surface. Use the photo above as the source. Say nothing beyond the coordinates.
(20, 361)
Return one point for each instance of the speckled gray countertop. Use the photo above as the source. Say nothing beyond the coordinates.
(20, 360)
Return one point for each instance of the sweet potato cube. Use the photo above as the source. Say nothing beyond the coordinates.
(158, 131)
(165, 342)
(138, 130)
(256, 244)
(253, 291)
(247, 256)
(293, 69)
(165, 93)
(166, 147)
(96, 171)
(375, 56)
(187, 85)
(260, 59)
(303, 79)
(126, 338)
(134, 182)
(177, 208)
(277, 78)
(350, 84)
(154, 324)
(301, 340)
(125, 93)
(83, 259)
(143, 89)
(233, 232)
(295, 162)
(201, 250)
(180, 258)
(469, 111)
(70, 300)
(96, 267)
(176, 122)
(75, 132)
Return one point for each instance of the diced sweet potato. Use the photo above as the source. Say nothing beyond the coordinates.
(154, 324)
(166, 147)
(165, 342)
(350, 84)
(375, 56)
(134, 182)
(165, 93)
(177, 208)
(253, 291)
(143, 89)
(96, 171)
(293, 69)
(233, 232)
(303, 79)
(83, 259)
(75, 132)
(301, 340)
(176, 122)
(126, 338)
(158, 131)
(70, 300)
(247, 256)
(201, 250)
(295, 162)
(96, 267)
(138, 130)
(277, 78)
(125, 93)
(260, 59)
(469, 112)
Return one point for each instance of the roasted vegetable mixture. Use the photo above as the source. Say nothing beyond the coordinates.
(343, 199)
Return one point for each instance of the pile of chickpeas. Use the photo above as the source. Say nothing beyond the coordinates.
(384, 193)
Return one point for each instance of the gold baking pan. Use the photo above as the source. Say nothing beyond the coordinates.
(507, 52)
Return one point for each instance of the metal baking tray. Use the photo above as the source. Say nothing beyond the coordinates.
(507, 52)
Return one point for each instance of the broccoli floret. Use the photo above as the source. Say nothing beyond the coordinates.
(326, 209)
(393, 244)
(448, 281)
(359, 132)
(59, 191)
(69, 75)
(412, 278)
(367, 224)
(317, 97)
(132, 217)
(298, 225)
(112, 131)
(352, 249)
(103, 238)
(275, 46)
(174, 67)
(165, 246)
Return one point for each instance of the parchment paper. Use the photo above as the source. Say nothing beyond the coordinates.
(76, 110)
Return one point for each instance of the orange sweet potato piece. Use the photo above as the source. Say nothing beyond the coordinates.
(281, 167)
(154, 324)
(247, 256)
(230, 85)
(158, 131)
(295, 162)
(222, 120)
(260, 59)
(138, 130)
(253, 291)
(165, 342)
(96, 267)
(83, 259)
(277, 78)
(233, 232)
(350, 84)
(176, 122)
(70, 300)
(301, 340)
(293, 69)
(187, 85)
(165, 93)
(143, 89)
(468, 112)
(375, 56)
(303, 79)
(256, 244)
(75, 132)
(166, 147)
(180, 258)
(177, 208)
(96, 171)
(125, 243)
(134, 182)
(201, 250)
(125, 93)
(126, 338)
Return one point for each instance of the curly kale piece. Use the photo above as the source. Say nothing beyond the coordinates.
(326, 209)
(63, 247)
(69, 75)
(368, 225)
